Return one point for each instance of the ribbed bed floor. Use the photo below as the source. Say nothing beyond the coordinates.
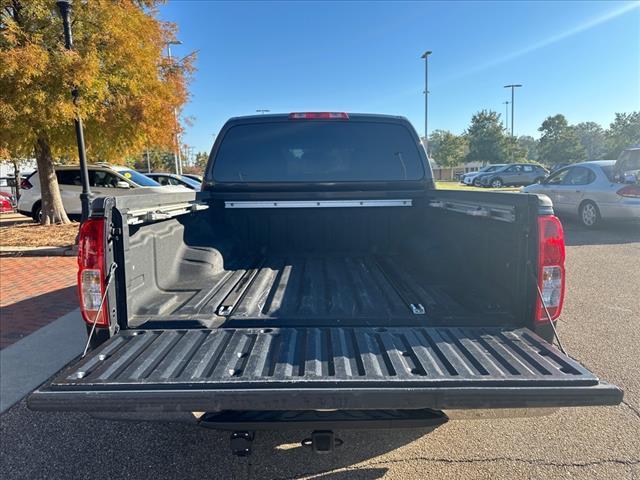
(334, 288)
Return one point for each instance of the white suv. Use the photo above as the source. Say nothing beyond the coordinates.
(104, 180)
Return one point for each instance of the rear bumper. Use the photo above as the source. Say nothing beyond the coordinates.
(625, 210)
(326, 398)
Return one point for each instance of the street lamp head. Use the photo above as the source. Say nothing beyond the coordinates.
(64, 6)
(174, 42)
(426, 54)
(514, 86)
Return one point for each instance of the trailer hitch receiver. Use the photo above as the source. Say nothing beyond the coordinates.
(322, 441)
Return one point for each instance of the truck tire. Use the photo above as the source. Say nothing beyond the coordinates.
(36, 212)
(589, 214)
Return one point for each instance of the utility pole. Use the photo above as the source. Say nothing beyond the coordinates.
(512, 87)
(425, 55)
(506, 115)
(85, 197)
(176, 155)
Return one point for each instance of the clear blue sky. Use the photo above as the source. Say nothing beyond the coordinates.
(581, 59)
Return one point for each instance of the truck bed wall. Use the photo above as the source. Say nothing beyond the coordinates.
(479, 262)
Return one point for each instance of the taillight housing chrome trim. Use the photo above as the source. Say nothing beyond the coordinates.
(91, 274)
(551, 268)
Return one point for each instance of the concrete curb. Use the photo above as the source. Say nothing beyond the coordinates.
(71, 251)
(33, 359)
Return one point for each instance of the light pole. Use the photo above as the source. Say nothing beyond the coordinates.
(506, 115)
(176, 155)
(513, 88)
(425, 55)
(85, 197)
(262, 111)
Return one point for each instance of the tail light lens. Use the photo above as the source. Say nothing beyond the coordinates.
(630, 191)
(25, 184)
(551, 272)
(91, 271)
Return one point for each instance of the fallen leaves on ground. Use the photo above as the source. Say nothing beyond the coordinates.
(34, 235)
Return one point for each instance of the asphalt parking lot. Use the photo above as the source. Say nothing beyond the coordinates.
(600, 327)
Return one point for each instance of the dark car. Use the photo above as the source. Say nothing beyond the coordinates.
(173, 179)
(514, 174)
(193, 176)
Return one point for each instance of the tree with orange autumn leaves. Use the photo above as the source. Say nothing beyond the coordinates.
(128, 88)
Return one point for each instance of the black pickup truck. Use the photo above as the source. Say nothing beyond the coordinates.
(319, 280)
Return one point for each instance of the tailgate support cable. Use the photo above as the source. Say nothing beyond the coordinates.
(555, 332)
(553, 326)
(110, 276)
(546, 311)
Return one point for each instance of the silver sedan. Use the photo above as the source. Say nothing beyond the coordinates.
(587, 190)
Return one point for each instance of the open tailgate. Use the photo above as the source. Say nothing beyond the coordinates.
(323, 368)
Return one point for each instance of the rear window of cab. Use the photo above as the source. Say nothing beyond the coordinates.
(318, 151)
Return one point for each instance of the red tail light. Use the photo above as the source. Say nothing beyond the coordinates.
(315, 115)
(91, 274)
(25, 184)
(630, 191)
(551, 272)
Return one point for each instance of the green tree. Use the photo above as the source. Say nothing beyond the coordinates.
(128, 89)
(530, 146)
(158, 160)
(559, 142)
(201, 160)
(486, 138)
(624, 132)
(591, 137)
(513, 150)
(448, 149)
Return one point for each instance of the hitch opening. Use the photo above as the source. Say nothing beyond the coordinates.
(322, 441)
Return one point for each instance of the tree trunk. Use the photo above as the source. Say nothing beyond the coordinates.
(17, 180)
(52, 208)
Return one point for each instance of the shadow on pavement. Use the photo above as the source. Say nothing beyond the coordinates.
(609, 233)
(26, 316)
(77, 446)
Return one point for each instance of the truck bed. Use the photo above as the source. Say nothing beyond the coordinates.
(309, 289)
(322, 368)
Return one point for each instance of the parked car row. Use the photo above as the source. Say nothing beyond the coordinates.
(104, 180)
(592, 191)
(504, 175)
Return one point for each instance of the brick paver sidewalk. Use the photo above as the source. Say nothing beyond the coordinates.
(34, 291)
